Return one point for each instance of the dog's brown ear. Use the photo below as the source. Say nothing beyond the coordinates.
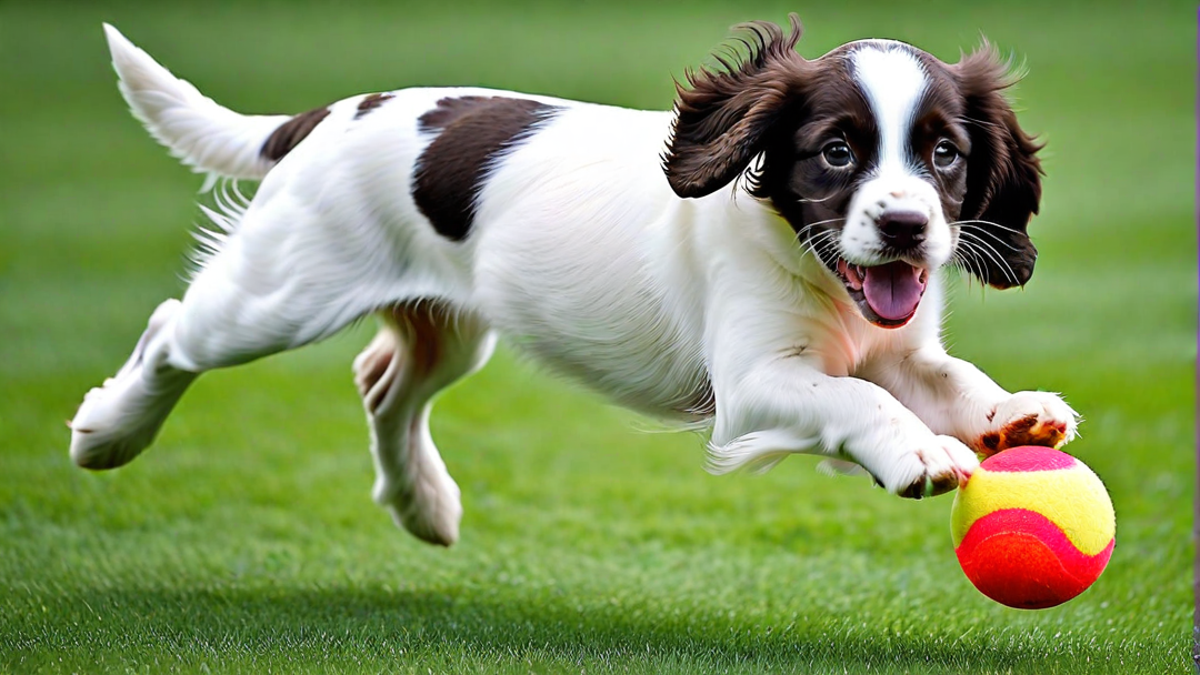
(1004, 175)
(722, 119)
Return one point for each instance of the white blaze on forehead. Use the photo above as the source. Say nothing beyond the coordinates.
(893, 81)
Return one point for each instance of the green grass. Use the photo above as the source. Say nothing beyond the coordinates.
(246, 541)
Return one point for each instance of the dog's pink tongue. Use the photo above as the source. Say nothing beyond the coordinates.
(893, 290)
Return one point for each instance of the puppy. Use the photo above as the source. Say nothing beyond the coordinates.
(764, 259)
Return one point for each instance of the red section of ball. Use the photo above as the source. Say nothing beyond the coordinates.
(1029, 458)
(1021, 559)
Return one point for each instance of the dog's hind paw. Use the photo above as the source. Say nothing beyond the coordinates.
(120, 418)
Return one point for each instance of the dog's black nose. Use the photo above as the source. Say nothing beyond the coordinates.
(902, 229)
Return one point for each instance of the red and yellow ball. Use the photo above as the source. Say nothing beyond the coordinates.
(1033, 527)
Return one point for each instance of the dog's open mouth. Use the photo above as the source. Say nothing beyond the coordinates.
(888, 294)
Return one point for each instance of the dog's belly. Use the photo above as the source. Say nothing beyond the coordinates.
(592, 300)
(620, 342)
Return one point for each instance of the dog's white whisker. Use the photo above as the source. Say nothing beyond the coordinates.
(969, 264)
(976, 231)
(989, 224)
(806, 200)
(991, 253)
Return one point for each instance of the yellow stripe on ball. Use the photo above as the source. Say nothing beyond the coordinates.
(1074, 499)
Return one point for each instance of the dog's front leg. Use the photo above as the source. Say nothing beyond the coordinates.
(954, 397)
(785, 406)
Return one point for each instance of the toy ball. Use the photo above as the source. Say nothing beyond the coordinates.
(1033, 527)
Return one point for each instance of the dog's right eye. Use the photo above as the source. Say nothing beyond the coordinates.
(838, 155)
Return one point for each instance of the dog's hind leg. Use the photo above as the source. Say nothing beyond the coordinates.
(284, 277)
(422, 348)
(119, 419)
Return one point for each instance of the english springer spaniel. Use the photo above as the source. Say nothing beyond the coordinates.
(766, 259)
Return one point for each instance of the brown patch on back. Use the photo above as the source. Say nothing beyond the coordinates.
(370, 103)
(289, 134)
(450, 109)
(474, 130)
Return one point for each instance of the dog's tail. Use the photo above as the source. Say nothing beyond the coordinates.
(206, 136)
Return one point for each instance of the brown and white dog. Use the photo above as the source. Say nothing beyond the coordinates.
(774, 274)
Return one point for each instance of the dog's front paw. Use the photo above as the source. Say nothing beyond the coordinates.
(1029, 418)
(937, 466)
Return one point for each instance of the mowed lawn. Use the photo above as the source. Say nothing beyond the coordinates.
(245, 540)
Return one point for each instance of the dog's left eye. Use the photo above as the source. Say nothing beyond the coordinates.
(945, 155)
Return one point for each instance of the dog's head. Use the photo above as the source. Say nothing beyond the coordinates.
(887, 162)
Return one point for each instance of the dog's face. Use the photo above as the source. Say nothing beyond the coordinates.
(887, 162)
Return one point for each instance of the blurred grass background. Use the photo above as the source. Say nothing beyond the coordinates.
(246, 541)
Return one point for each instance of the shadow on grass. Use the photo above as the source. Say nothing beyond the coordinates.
(378, 629)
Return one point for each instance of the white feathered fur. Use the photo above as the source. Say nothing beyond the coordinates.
(202, 134)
